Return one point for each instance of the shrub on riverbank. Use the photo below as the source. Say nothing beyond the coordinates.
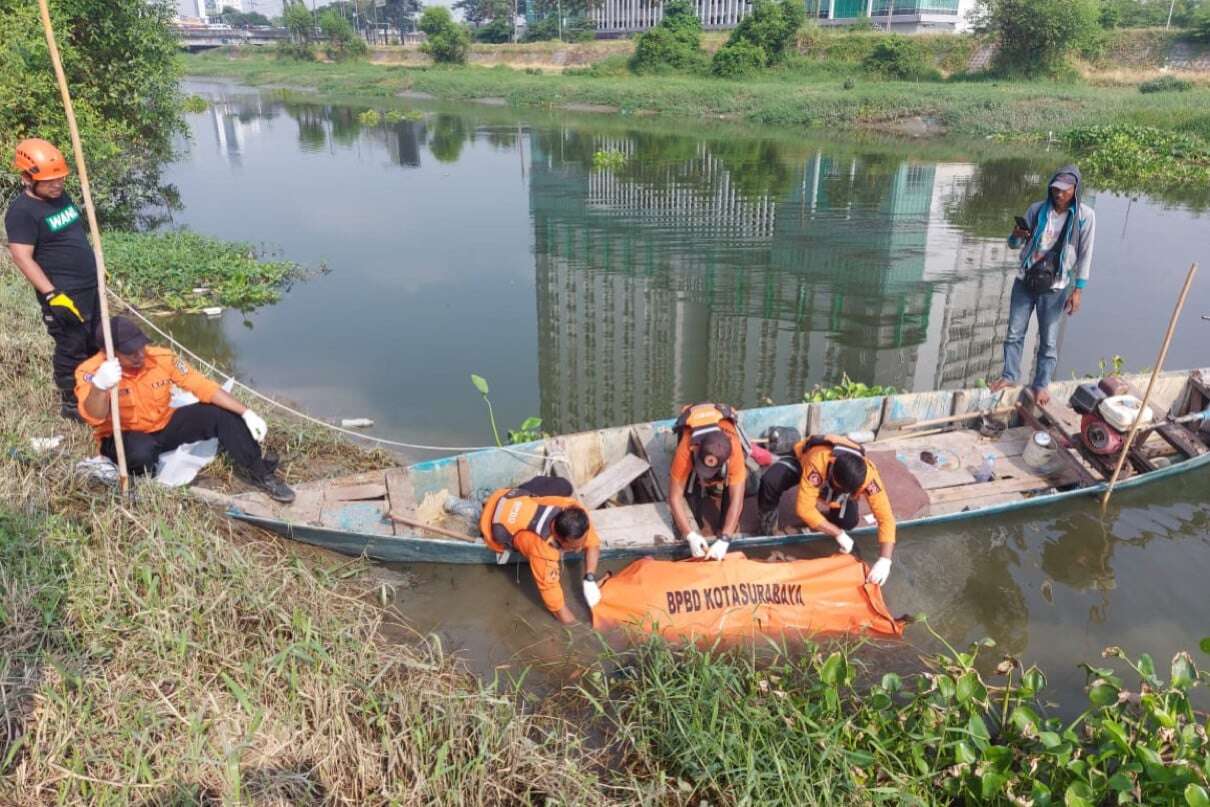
(447, 42)
(766, 34)
(900, 59)
(155, 652)
(814, 726)
(123, 77)
(673, 44)
(1038, 37)
(164, 270)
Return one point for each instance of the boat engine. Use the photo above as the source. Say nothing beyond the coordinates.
(1099, 436)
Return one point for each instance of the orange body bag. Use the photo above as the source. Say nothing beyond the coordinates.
(695, 599)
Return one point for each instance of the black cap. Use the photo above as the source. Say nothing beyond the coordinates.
(714, 443)
(127, 338)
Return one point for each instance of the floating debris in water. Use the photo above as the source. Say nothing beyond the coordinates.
(213, 311)
(356, 423)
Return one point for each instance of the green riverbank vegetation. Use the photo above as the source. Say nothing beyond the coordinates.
(154, 652)
(814, 725)
(124, 79)
(871, 92)
(182, 271)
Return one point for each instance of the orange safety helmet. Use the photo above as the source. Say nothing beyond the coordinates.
(40, 159)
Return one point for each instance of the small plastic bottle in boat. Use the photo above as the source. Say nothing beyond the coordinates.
(465, 508)
(987, 471)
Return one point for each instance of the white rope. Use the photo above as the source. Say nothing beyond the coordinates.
(548, 458)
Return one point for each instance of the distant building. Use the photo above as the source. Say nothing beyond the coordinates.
(620, 17)
(907, 16)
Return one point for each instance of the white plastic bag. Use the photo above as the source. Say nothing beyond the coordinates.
(176, 468)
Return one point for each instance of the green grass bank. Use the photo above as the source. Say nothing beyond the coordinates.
(154, 652)
(799, 96)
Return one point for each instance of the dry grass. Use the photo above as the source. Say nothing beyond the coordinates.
(147, 657)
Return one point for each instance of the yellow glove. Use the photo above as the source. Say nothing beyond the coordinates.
(62, 308)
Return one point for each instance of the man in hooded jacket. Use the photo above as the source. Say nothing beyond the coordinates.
(1053, 269)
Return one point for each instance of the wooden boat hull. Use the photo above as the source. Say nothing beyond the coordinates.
(407, 549)
(351, 516)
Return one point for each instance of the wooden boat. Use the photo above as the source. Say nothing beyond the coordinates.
(928, 448)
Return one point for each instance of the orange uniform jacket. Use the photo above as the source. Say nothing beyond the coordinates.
(543, 557)
(815, 466)
(143, 395)
(682, 460)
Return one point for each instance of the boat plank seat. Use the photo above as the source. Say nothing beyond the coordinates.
(357, 516)
(656, 445)
(355, 493)
(615, 478)
(635, 525)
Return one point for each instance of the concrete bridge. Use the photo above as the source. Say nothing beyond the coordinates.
(194, 38)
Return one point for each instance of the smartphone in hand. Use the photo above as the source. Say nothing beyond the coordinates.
(1022, 224)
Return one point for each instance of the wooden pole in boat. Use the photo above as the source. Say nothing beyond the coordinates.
(86, 191)
(1159, 365)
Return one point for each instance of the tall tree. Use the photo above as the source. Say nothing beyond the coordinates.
(120, 57)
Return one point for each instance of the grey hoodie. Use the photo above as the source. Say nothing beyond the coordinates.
(1076, 256)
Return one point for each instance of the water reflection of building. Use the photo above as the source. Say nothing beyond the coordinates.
(669, 283)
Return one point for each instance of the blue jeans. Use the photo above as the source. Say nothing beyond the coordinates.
(1050, 313)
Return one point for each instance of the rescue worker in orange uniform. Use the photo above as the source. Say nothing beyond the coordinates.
(832, 474)
(144, 376)
(49, 245)
(541, 520)
(709, 462)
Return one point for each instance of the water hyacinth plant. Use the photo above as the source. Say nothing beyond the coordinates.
(814, 725)
(166, 270)
(847, 388)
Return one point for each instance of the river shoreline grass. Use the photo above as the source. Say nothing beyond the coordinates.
(154, 652)
(805, 98)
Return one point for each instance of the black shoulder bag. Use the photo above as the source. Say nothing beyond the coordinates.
(1042, 273)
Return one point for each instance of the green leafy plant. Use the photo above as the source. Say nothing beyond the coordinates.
(610, 159)
(369, 117)
(737, 730)
(165, 271)
(673, 44)
(481, 384)
(529, 430)
(900, 58)
(400, 115)
(122, 65)
(739, 60)
(1125, 155)
(343, 41)
(769, 32)
(1038, 37)
(448, 42)
(846, 389)
(195, 104)
(1165, 84)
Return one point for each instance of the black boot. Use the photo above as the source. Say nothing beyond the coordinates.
(768, 522)
(69, 407)
(269, 482)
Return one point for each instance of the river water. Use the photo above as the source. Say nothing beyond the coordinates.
(712, 262)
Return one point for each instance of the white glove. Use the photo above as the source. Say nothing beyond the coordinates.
(718, 550)
(107, 375)
(256, 424)
(502, 557)
(697, 545)
(592, 593)
(880, 572)
(845, 542)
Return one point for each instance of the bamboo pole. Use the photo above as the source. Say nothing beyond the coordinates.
(1159, 366)
(78, 151)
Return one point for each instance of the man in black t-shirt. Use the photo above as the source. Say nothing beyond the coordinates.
(47, 241)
